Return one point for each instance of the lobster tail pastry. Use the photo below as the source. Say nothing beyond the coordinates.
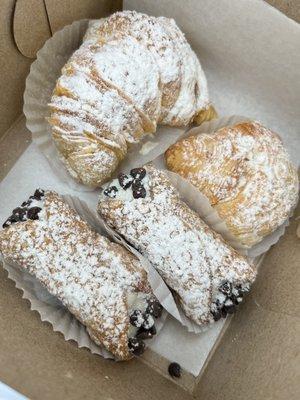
(131, 73)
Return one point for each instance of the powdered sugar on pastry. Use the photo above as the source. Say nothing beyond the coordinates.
(193, 260)
(131, 72)
(100, 282)
(193, 95)
(183, 84)
(246, 174)
(126, 65)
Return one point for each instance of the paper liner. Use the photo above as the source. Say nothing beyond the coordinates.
(49, 307)
(38, 91)
(200, 203)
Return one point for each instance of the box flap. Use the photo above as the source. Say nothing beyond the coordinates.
(62, 13)
(24, 27)
(30, 26)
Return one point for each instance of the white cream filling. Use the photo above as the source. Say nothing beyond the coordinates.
(136, 301)
(123, 194)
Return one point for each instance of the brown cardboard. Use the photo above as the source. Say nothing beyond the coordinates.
(26, 20)
(30, 41)
(62, 13)
(289, 8)
(14, 68)
(257, 358)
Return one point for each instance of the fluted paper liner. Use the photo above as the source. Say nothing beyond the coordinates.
(49, 307)
(39, 86)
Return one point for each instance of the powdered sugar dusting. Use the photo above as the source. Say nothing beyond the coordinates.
(125, 64)
(245, 172)
(179, 68)
(131, 72)
(97, 280)
(192, 259)
(193, 95)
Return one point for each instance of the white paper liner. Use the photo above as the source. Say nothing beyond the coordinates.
(49, 307)
(39, 86)
(200, 203)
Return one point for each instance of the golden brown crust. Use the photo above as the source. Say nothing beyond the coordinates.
(204, 115)
(131, 72)
(246, 174)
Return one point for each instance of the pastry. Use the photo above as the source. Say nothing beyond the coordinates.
(183, 83)
(245, 172)
(131, 72)
(207, 276)
(100, 282)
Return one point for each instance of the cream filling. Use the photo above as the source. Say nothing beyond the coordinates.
(136, 301)
(123, 194)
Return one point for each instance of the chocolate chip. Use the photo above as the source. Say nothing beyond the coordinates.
(216, 315)
(230, 309)
(26, 203)
(218, 304)
(111, 192)
(136, 346)
(174, 370)
(20, 213)
(138, 190)
(33, 213)
(136, 318)
(125, 181)
(234, 299)
(148, 321)
(38, 194)
(223, 312)
(242, 290)
(11, 220)
(138, 173)
(154, 308)
(136, 184)
(139, 193)
(143, 333)
(226, 288)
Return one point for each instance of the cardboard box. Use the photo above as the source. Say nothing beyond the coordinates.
(256, 358)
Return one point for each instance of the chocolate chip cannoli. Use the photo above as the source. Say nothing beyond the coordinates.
(99, 281)
(208, 277)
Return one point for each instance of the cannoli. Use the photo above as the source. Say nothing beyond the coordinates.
(99, 281)
(208, 277)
